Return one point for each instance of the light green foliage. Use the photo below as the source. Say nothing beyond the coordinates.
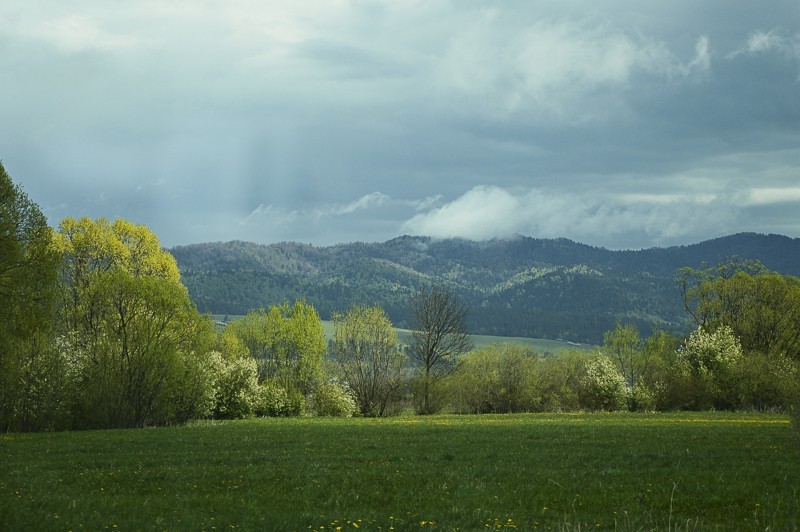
(132, 330)
(640, 362)
(230, 345)
(99, 245)
(287, 342)
(93, 249)
(332, 399)
(498, 379)
(368, 357)
(761, 309)
(249, 336)
(602, 387)
(132, 357)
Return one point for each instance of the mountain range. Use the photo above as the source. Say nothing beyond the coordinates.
(539, 288)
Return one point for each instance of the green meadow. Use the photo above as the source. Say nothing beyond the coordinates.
(623, 471)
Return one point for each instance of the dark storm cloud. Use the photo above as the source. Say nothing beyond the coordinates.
(612, 123)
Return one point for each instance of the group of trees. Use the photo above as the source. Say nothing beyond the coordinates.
(97, 330)
(743, 354)
(706, 370)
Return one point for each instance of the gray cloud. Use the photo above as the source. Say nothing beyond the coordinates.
(615, 124)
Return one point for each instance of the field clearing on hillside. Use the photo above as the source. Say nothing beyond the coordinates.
(680, 471)
(539, 345)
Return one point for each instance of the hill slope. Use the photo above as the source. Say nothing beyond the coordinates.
(519, 287)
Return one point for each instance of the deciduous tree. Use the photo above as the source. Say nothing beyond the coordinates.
(623, 345)
(287, 342)
(439, 336)
(130, 325)
(366, 350)
(28, 268)
(762, 308)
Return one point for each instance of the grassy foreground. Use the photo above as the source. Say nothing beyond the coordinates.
(550, 471)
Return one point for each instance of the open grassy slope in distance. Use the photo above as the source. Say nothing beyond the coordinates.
(539, 345)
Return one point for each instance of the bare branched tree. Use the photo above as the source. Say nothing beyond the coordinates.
(439, 336)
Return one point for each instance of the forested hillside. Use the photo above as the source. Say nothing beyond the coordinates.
(519, 287)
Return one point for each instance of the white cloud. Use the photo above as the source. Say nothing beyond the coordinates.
(492, 212)
(270, 213)
(481, 213)
(424, 203)
(369, 201)
(273, 214)
(701, 63)
(760, 42)
(552, 67)
(770, 196)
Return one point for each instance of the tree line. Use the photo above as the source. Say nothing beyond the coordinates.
(97, 331)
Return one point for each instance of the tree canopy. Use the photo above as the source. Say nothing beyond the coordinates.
(130, 328)
(28, 268)
(366, 350)
(761, 307)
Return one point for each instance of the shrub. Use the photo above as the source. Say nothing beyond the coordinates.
(560, 380)
(708, 360)
(498, 379)
(766, 382)
(236, 388)
(602, 386)
(195, 395)
(438, 393)
(35, 386)
(641, 398)
(275, 401)
(329, 398)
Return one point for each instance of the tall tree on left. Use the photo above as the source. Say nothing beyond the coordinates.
(28, 268)
(136, 342)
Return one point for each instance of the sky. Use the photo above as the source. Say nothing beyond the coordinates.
(622, 124)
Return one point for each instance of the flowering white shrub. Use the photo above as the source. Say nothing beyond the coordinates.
(332, 399)
(237, 390)
(602, 386)
(276, 401)
(706, 352)
(708, 360)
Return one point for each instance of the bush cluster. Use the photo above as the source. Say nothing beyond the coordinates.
(708, 370)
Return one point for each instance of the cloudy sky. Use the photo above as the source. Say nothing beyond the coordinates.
(623, 124)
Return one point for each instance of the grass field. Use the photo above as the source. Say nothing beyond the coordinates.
(679, 471)
(540, 345)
